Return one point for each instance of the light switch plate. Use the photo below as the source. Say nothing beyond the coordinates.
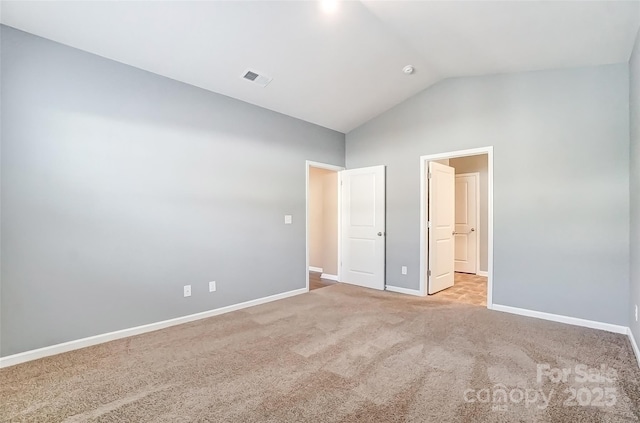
(212, 286)
(287, 219)
(404, 270)
(187, 290)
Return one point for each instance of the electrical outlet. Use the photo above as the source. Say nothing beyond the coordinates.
(212, 286)
(187, 290)
(636, 312)
(404, 270)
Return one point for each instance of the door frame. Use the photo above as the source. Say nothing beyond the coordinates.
(308, 164)
(423, 213)
(477, 176)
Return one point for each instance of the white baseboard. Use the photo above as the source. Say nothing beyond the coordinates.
(330, 277)
(403, 290)
(23, 357)
(482, 273)
(562, 319)
(634, 345)
(315, 269)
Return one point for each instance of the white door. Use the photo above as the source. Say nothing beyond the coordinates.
(441, 226)
(363, 226)
(466, 238)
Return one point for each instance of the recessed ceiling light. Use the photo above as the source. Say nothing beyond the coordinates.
(408, 69)
(329, 6)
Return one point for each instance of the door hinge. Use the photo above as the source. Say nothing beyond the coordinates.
(428, 272)
(428, 224)
(429, 175)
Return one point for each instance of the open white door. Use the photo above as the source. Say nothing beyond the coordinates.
(363, 226)
(442, 210)
(466, 238)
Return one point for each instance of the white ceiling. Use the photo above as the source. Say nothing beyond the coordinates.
(336, 70)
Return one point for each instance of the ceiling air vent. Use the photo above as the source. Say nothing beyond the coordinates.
(251, 76)
(256, 78)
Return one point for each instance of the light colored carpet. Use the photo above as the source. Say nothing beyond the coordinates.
(337, 354)
(468, 289)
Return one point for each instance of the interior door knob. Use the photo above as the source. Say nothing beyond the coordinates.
(379, 233)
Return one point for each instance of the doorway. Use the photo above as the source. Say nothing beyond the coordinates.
(322, 224)
(352, 244)
(456, 248)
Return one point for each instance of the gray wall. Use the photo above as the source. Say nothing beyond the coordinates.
(634, 100)
(480, 164)
(561, 189)
(120, 186)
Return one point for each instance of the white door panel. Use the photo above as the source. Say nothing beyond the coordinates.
(466, 241)
(363, 226)
(441, 232)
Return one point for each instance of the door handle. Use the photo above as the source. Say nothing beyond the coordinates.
(379, 233)
(461, 233)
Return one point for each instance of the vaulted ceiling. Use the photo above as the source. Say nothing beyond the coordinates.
(341, 68)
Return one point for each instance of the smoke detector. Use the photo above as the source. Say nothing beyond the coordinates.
(256, 77)
(408, 69)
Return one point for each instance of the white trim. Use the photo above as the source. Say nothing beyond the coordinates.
(562, 319)
(12, 360)
(329, 277)
(482, 273)
(315, 269)
(423, 229)
(339, 263)
(423, 204)
(634, 345)
(460, 153)
(406, 291)
(309, 163)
